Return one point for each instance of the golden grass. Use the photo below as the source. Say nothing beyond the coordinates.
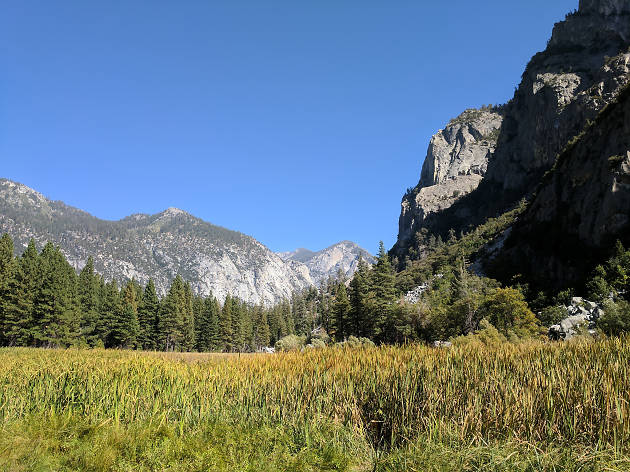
(534, 392)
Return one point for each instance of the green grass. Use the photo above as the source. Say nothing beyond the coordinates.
(513, 407)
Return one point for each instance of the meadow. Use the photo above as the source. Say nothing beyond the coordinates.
(528, 406)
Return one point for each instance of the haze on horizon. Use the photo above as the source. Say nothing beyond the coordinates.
(298, 124)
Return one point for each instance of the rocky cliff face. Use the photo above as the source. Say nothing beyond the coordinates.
(343, 256)
(581, 207)
(215, 260)
(456, 161)
(583, 68)
(562, 88)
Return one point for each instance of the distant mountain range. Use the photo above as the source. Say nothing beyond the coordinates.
(214, 259)
(343, 256)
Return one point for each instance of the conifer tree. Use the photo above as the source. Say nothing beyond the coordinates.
(20, 299)
(384, 295)
(110, 311)
(7, 266)
(465, 303)
(225, 325)
(341, 311)
(237, 325)
(125, 328)
(171, 321)
(148, 315)
(261, 328)
(88, 289)
(201, 330)
(303, 324)
(188, 319)
(56, 310)
(359, 288)
(211, 316)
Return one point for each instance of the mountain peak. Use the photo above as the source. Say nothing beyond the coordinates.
(343, 256)
(173, 212)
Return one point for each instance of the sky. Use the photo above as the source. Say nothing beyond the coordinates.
(300, 123)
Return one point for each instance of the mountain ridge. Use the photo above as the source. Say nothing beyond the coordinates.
(342, 256)
(214, 259)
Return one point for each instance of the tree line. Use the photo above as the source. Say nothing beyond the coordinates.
(44, 302)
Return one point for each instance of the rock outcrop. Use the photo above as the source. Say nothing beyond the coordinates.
(456, 161)
(584, 67)
(581, 315)
(581, 207)
(343, 256)
(215, 260)
(562, 88)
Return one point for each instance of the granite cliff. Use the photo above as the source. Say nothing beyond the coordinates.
(581, 207)
(584, 67)
(343, 256)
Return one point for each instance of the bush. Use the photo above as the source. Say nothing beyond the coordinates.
(487, 335)
(291, 343)
(507, 310)
(316, 344)
(552, 315)
(355, 342)
(319, 334)
(616, 318)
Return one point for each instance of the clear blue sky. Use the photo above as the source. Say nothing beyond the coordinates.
(300, 123)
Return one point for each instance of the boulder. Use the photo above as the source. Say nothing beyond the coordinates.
(582, 314)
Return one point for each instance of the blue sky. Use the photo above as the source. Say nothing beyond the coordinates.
(300, 123)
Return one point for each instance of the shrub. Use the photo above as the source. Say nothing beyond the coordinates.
(487, 335)
(507, 310)
(291, 343)
(616, 318)
(316, 344)
(552, 315)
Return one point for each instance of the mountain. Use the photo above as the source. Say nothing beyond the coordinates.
(214, 259)
(581, 207)
(456, 161)
(328, 262)
(299, 255)
(486, 160)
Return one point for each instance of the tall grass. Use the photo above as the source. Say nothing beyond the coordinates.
(543, 393)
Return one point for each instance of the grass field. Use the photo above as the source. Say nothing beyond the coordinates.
(511, 407)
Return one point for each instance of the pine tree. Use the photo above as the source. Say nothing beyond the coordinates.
(225, 326)
(125, 328)
(188, 319)
(465, 302)
(110, 311)
(201, 329)
(359, 288)
(56, 307)
(341, 311)
(384, 295)
(237, 313)
(303, 325)
(88, 300)
(211, 315)
(7, 266)
(125, 325)
(20, 298)
(262, 336)
(171, 322)
(148, 315)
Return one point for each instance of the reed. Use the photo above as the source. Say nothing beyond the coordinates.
(576, 392)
